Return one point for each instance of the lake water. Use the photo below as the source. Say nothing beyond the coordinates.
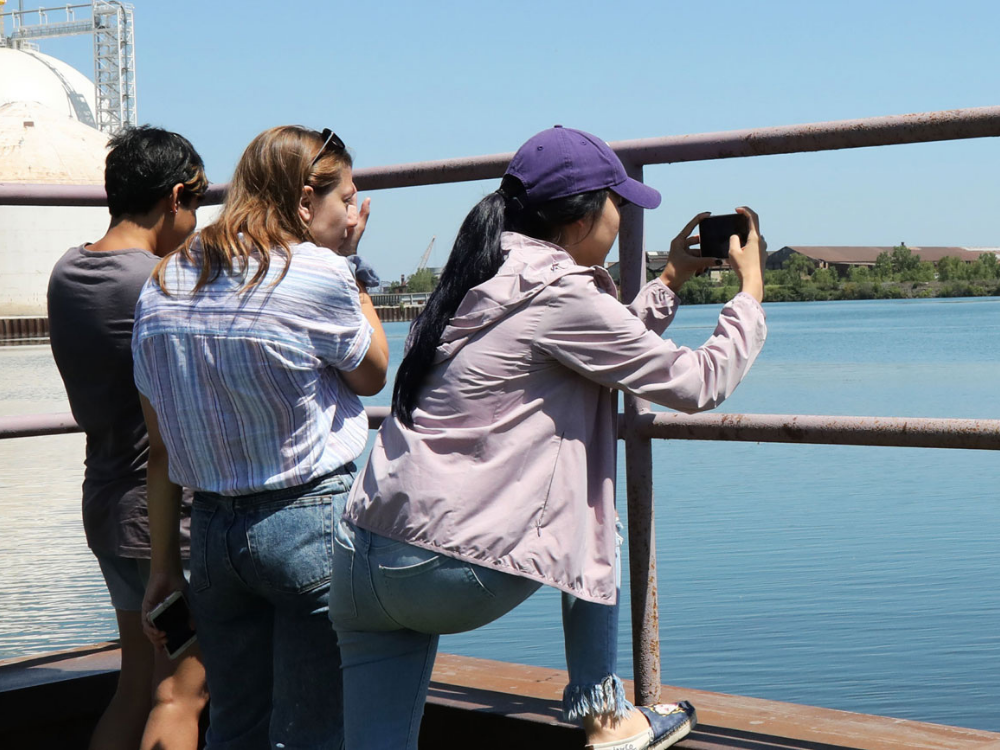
(855, 578)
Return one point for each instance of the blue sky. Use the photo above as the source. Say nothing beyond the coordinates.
(409, 81)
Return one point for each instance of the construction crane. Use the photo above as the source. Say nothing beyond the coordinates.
(111, 24)
(427, 254)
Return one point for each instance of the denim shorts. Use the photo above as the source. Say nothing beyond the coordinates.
(126, 578)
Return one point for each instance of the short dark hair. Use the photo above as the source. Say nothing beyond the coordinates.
(143, 166)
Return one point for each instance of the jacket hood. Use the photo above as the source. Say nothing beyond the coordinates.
(530, 266)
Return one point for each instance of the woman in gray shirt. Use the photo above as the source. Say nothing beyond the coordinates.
(154, 181)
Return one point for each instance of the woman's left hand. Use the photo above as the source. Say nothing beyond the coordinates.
(350, 246)
(682, 262)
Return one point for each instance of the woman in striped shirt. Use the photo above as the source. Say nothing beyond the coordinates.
(252, 344)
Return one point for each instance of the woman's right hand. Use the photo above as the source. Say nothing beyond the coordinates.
(748, 261)
(682, 262)
(161, 585)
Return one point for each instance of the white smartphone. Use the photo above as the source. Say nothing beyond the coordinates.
(173, 617)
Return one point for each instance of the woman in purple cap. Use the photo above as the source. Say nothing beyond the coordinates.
(495, 473)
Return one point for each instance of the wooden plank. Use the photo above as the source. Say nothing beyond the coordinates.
(52, 700)
(726, 720)
(42, 669)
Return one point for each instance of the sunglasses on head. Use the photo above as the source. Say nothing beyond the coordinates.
(331, 141)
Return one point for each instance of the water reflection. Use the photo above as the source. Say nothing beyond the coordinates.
(847, 577)
(52, 594)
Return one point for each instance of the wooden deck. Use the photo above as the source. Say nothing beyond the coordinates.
(52, 701)
(532, 694)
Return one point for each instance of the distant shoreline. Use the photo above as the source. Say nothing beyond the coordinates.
(719, 293)
(899, 274)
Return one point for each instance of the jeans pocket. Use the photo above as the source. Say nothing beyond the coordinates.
(343, 605)
(415, 569)
(291, 544)
(436, 595)
(201, 519)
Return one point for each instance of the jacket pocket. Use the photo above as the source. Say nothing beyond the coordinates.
(548, 487)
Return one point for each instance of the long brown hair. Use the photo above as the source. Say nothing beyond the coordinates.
(260, 216)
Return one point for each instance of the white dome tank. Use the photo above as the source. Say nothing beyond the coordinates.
(47, 136)
(27, 76)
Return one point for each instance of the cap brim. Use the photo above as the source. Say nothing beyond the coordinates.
(638, 193)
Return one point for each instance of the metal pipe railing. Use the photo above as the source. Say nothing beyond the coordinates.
(803, 429)
(921, 127)
(639, 484)
(640, 424)
(39, 425)
(900, 432)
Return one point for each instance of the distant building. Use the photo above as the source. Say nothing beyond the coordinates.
(843, 257)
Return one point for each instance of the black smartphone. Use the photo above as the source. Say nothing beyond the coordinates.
(715, 232)
(173, 617)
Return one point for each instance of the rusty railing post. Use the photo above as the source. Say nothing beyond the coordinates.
(639, 485)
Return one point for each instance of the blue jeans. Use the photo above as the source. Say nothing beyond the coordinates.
(389, 603)
(260, 584)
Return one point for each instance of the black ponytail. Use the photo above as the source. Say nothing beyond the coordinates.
(475, 258)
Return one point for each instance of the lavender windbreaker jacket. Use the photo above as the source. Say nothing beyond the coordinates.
(511, 460)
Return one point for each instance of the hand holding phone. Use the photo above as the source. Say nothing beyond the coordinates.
(683, 262)
(715, 232)
(173, 617)
(749, 259)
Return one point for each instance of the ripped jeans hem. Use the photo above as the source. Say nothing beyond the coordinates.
(605, 697)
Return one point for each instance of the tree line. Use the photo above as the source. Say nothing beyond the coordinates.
(897, 274)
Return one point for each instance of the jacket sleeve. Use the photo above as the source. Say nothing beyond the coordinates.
(655, 305)
(592, 333)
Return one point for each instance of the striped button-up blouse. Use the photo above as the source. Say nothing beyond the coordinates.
(245, 385)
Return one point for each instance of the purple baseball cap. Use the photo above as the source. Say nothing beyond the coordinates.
(559, 162)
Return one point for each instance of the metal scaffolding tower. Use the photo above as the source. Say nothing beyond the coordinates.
(114, 65)
(111, 23)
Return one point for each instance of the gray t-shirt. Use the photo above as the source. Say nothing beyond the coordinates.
(92, 298)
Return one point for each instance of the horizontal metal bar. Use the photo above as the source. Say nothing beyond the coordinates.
(24, 194)
(51, 30)
(52, 9)
(892, 130)
(903, 432)
(33, 425)
(439, 172)
(36, 425)
(955, 124)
